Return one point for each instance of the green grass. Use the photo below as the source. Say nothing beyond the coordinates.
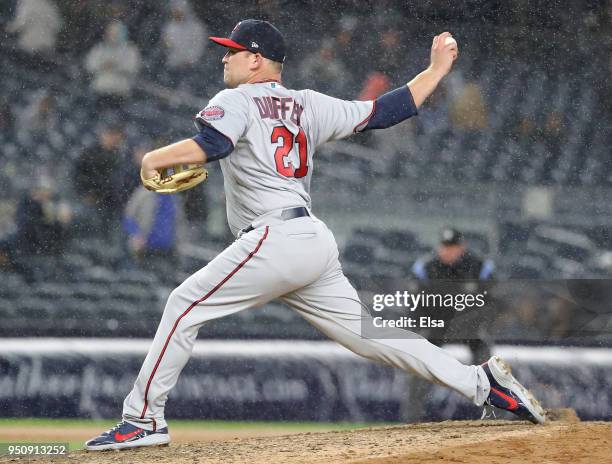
(6, 423)
(199, 424)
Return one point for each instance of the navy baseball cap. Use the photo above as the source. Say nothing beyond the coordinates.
(450, 236)
(255, 36)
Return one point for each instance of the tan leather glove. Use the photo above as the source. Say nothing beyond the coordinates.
(176, 178)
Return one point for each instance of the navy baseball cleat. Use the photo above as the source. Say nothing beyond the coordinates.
(125, 435)
(508, 394)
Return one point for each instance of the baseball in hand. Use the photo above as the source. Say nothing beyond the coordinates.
(452, 41)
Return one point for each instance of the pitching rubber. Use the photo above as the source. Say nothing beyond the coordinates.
(503, 374)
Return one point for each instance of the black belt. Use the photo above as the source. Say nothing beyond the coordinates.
(286, 215)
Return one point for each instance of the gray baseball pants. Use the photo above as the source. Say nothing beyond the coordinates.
(296, 261)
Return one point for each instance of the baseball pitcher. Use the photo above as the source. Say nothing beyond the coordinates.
(265, 136)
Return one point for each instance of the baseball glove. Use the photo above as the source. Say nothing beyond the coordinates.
(176, 178)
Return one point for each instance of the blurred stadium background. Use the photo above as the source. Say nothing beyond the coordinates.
(514, 150)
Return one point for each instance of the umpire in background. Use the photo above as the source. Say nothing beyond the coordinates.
(454, 261)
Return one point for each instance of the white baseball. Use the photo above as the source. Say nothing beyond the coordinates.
(450, 40)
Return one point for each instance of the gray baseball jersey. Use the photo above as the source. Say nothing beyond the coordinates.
(275, 132)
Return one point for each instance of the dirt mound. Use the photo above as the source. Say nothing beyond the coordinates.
(562, 415)
(471, 442)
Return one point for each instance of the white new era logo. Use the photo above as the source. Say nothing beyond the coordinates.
(254, 45)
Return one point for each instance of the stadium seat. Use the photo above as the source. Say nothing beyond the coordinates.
(360, 254)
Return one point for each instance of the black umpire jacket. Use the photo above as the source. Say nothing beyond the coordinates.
(468, 267)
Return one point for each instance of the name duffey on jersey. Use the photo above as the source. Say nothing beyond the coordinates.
(275, 132)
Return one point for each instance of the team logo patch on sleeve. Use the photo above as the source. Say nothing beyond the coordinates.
(212, 113)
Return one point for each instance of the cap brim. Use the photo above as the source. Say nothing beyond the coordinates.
(229, 43)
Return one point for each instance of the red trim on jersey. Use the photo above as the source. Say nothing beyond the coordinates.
(191, 306)
(366, 120)
(227, 43)
(265, 80)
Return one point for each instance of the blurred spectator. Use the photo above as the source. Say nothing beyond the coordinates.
(553, 131)
(347, 41)
(374, 86)
(433, 115)
(41, 223)
(397, 140)
(38, 122)
(86, 20)
(468, 110)
(97, 175)
(387, 56)
(196, 206)
(155, 226)
(184, 36)
(345, 38)
(37, 22)
(114, 63)
(525, 131)
(132, 169)
(324, 72)
(195, 200)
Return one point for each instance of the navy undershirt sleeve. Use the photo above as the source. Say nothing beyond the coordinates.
(392, 108)
(214, 143)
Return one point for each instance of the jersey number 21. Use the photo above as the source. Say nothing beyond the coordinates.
(282, 151)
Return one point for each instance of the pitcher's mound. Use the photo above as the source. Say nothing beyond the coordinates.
(562, 415)
(473, 442)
